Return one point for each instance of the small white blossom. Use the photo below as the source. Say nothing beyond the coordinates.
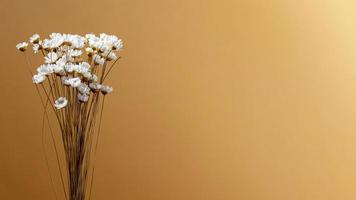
(83, 97)
(58, 69)
(83, 88)
(65, 80)
(34, 39)
(61, 102)
(89, 51)
(22, 46)
(55, 41)
(70, 67)
(117, 45)
(38, 78)
(45, 69)
(51, 57)
(62, 61)
(95, 86)
(93, 78)
(83, 67)
(36, 48)
(74, 53)
(98, 60)
(109, 55)
(106, 89)
(75, 41)
(87, 75)
(74, 82)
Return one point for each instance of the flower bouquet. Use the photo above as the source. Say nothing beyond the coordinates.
(70, 83)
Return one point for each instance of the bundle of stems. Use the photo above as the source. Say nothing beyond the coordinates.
(75, 93)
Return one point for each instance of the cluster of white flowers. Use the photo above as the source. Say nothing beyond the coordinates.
(64, 57)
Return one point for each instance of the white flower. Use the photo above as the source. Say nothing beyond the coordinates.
(65, 80)
(89, 51)
(55, 35)
(38, 78)
(83, 88)
(83, 97)
(55, 41)
(90, 36)
(45, 69)
(109, 55)
(92, 40)
(117, 45)
(76, 41)
(106, 89)
(62, 61)
(112, 56)
(87, 75)
(110, 42)
(51, 57)
(36, 48)
(84, 69)
(104, 42)
(98, 60)
(74, 82)
(95, 86)
(70, 67)
(61, 102)
(74, 53)
(58, 69)
(93, 78)
(34, 39)
(84, 65)
(22, 46)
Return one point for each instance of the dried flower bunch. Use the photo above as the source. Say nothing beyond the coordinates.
(72, 78)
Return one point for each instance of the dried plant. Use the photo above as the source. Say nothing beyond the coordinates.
(70, 83)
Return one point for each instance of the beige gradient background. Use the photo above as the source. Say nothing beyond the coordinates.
(214, 100)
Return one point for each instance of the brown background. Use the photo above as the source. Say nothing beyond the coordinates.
(214, 100)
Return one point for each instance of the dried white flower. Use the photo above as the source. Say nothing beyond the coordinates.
(93, 78)
(62, 61)
(74, 53)
(45, 69)
(22, 46)
(83, 88)
(38, 78)
(83, 97)
(65, 80)
(74, 82)
(83, 68)
(58, 69)
(51, 57)
(70, 67)
(87, 75)
(61, 102)
(36, 48)
(118, 45)
(95, 87)
(110, 42)
(109, 55)
(34, 39)
(55, 41)
(105, 89)
(89, 51)
(75, 41)
(98, 60)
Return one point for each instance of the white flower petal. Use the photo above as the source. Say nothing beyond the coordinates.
(22, 46)
(61, 102)
(51, 57)
(38, 78)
